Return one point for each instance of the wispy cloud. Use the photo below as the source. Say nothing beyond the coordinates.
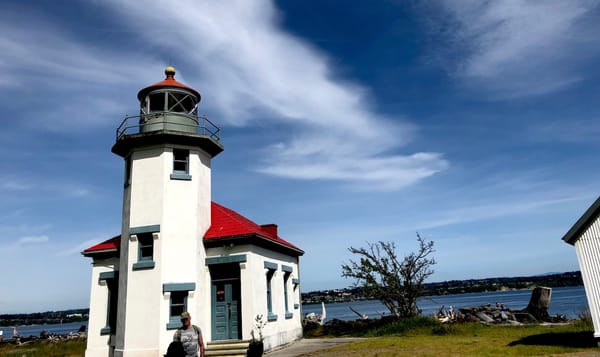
(63, 68)
(576, 130)
(254, 73)
(32, 240)
(80, 247)
(45, 188)
(12, 186)
(521, 48)
(363, 172)
(475, 213)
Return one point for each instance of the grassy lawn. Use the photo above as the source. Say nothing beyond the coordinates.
(71, 348)
(414, 337)
(472, 339)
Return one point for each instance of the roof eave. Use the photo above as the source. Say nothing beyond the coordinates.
(582, 223)
(94, 253)
(254, 239)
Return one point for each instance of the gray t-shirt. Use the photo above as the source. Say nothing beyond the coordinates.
(189, 339)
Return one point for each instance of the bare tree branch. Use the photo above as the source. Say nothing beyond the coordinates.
(396, 283)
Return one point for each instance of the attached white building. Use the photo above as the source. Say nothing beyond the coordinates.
(585, 236)
(179, 251)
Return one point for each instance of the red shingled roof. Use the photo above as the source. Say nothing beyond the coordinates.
(226, 223)
(111, 245)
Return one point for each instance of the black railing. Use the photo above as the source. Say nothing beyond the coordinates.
(135, 124)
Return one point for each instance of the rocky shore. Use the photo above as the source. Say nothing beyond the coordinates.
(17, 339)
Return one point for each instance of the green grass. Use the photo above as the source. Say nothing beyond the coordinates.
(426, 337)
(70, 348)
(411, 337)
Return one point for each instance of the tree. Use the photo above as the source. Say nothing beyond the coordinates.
(397, 284)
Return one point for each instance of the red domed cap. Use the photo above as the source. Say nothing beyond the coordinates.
(169, 82)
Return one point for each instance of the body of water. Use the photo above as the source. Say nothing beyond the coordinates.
(35, 330)
(570, 301)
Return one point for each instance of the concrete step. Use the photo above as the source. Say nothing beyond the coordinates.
(227, 348)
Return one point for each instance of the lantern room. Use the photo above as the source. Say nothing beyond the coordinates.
(169, 105)
(168, 113)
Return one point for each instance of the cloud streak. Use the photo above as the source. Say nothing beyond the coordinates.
(12, 187)
(521, 48)
(60, 67)
(78, 248)
(491, 211)
(32, 240)
(258, 74)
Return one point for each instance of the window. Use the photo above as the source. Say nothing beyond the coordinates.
(180, 103)
(287, 272)
(296, 283)
(180, 160)
(145, 237)
(178, 304)
(271, 268)
(270, 274)
(181, 165)
(178, 301)
(286, 279)
(113, 298)
(157, 102)
(112, 285)
(170, 101)
(145, 246)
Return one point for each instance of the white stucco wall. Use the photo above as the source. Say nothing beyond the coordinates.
(253, 294)
(98, 345)
(182, 210)
(588, 248)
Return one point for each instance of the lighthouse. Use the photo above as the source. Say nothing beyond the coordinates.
(167, 151)
(180, 251)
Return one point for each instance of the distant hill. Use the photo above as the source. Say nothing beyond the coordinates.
(48, 317)
(552, 280)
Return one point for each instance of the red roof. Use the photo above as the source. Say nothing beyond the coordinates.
(111, 245)
(169, 81)
(226, 224)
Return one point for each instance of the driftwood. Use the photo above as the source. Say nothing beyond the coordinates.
(539, 303)
(536, 311)
(316, 318)
(362, 316)
(487, 314)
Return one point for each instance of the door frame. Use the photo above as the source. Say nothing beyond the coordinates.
(235, 283)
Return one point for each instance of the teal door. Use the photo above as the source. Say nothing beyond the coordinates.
(225, 310)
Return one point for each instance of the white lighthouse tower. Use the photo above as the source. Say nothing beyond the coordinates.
(166, 209)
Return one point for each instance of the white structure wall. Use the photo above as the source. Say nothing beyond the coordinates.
(100, 344)
(181, 210)
(587, 248)
(253, 279)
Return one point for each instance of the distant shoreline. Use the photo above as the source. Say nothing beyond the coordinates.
(453, 287)
(44, 318)
(450, 287)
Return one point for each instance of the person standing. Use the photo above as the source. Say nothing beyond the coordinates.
(190, 336)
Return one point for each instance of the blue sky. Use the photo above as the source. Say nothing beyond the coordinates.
(473, 123)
